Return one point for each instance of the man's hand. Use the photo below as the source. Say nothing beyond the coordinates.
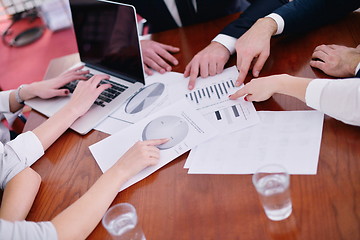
(335, 60)
(254, 45)
(157, 56)
(208, 62)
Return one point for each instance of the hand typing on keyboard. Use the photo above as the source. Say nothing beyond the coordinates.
(106, 96)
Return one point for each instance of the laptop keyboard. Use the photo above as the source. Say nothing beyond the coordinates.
(107, 95)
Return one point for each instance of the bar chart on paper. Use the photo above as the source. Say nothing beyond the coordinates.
(212, 100)
(212, 93)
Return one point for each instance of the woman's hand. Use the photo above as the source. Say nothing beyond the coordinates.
(141, 155)
(85, 94)
(51, 88)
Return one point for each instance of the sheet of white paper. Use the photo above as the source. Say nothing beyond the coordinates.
(210, 97)
(179, 122)
(119, 120)
(288, 138)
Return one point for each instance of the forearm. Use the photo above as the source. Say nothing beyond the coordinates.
(13, 104)
(19, 195)
(79, 219)
(25, 93)
(293, 86)
(56, 125)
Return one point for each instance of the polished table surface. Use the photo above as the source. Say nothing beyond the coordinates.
(174, 205)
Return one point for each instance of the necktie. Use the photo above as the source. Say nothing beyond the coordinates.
(186, 11)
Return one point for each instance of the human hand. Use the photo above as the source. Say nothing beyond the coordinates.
(335, 60)
(50, 88)
(259, 89)
(157, 55)
(141, 155)
(85, 94)
(208, 62)
(254, 45)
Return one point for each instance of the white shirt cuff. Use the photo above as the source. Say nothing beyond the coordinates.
(226, 41)
(279, 22)
(313, 92)
(357, 69)
(145, 37)
(28, 147)
(5, 101)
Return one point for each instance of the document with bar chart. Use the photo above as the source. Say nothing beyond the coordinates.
(211, 98)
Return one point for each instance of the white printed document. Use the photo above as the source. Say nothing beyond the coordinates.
(289, 138)
(180, 123)
(210, 97)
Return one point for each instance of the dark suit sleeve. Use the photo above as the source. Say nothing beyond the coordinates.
(257, 9)
(358, 74)
(304, 15)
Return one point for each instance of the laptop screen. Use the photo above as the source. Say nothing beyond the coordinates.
(107, 38)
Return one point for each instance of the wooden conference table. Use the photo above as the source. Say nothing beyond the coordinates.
(174, 205)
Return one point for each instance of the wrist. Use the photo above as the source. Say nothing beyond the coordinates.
(354, 67)
(294, 86)
(26, 92)
(268, 25)
(20, 92)
(221, 46)
(70, 112)
(121, 172)
(281, 84)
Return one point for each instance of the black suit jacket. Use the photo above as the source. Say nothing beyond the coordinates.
(299, 15)
(304, 15)
(159, 18)
(257, 9)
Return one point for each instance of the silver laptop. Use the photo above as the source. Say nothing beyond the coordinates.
(108, 43)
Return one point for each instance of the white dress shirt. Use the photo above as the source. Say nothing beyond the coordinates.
(15, 156)
(5, 113)
(229, 42)
(171, 5)
(24, 230)
(339, 99)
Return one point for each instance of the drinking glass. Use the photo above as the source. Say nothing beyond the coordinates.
(272, 183)
(122, 223)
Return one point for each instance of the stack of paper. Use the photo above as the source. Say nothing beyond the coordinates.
(289, 138)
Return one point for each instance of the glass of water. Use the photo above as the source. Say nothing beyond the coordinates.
(122, 223)
(272, 182)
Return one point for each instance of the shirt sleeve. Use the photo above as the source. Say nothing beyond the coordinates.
(5, 107)
(18, 154)
(226, 41)
(337, 98)
(357, 71)
(279, 22)
(4, 101)
(257, 9)
(27, 230)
